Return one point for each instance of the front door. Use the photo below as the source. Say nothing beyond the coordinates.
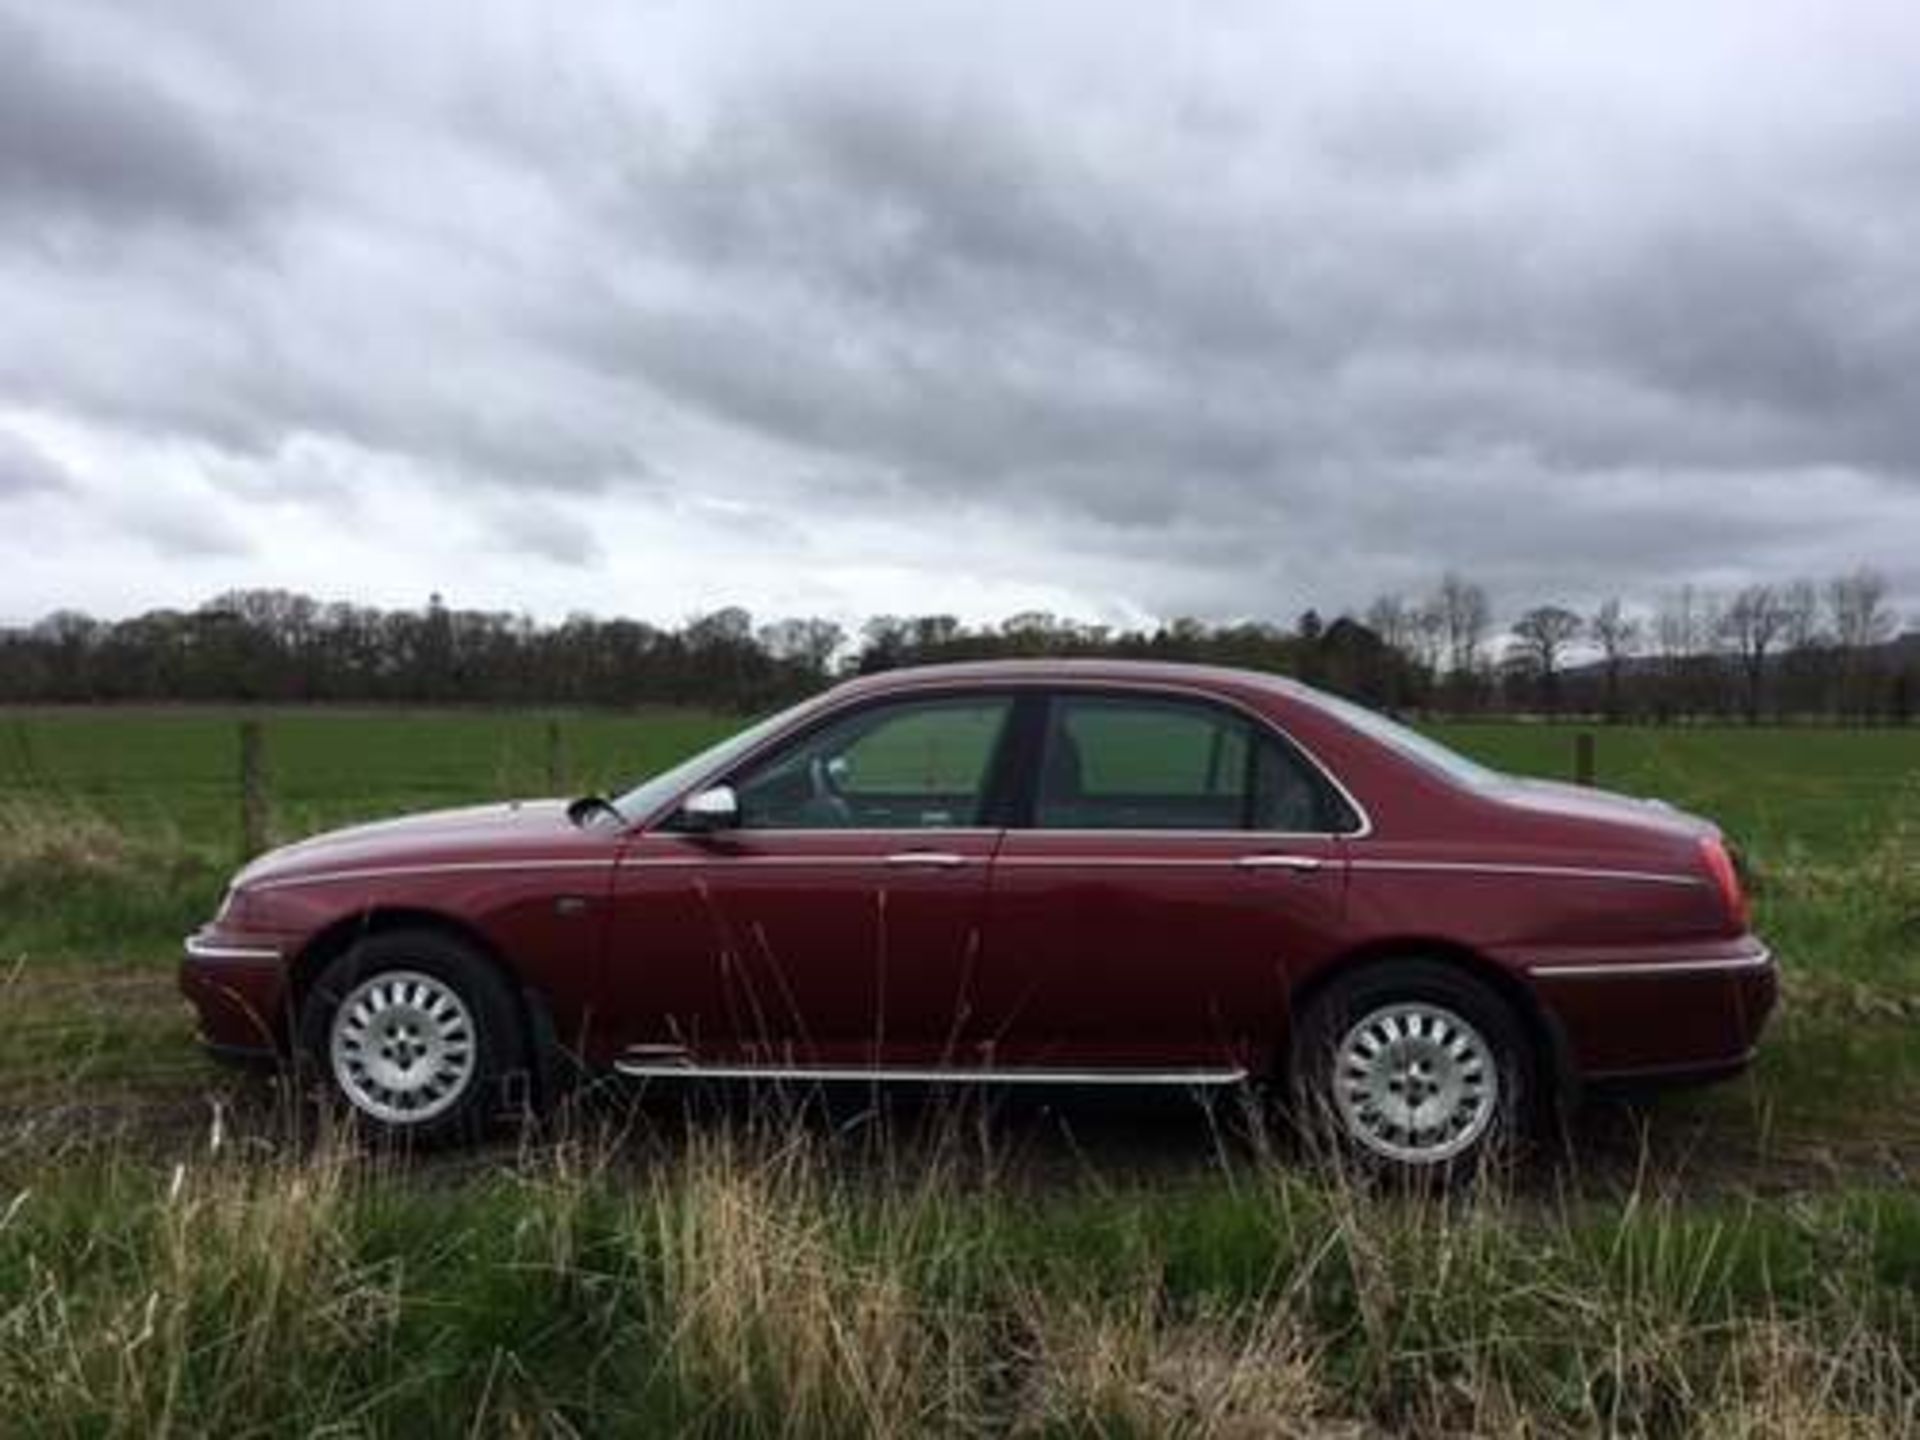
(837, 924)
(1180, 859)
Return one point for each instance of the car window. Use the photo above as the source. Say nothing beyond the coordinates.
(1114, 763)
(915, 765)
(646, 797)
(1421, 749)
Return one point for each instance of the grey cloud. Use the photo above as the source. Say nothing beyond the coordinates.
(1409, 139)
(25, 469)
(548, 533)
(248, 358)
(1224, 333)
(180, 529)
(967, 304)
(90, 135)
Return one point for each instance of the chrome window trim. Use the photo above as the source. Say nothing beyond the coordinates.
(817, 832)
(936, 686)
(1094, 832)
(1126, 862)
(1135, 832)
(882, 861)
(1639, 969)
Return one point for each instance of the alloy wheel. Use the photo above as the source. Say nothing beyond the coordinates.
(1415, 1083)
(403, 1047)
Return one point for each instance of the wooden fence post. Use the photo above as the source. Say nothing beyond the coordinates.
(254, 802)
(1583, 758)
(556, 760)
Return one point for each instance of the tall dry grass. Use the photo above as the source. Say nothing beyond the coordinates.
(74, 883)
(758, 1280)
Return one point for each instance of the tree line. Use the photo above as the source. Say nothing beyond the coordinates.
(1803, 649)
(1799, 650)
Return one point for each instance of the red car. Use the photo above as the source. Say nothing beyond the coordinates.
(1087, 872)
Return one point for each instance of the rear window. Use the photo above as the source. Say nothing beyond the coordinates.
(1112, 763)
(1421, 749)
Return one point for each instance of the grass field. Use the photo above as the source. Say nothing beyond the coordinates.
(176, 771)
(1824, 793)
(179, 1253)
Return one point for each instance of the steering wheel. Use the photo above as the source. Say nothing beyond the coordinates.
(827, 800)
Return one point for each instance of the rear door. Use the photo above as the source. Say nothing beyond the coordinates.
(1176, 859)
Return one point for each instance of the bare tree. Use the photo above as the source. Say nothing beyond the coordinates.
(1753, 622)
(1800, 615)
(1857, 604)
(1802, 647)
(1676, 628)
(930, 632)
(883, 641)
(1618, 636)
(1391, 618)
(810, 641)
(1466, 616)
(1544, 633)
(1430, 634)
(1683, 630)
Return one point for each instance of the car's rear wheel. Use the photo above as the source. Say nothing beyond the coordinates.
(418, 1035)
(1412, 1068)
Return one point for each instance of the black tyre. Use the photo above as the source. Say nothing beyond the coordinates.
(418, 1035)
(1412, 1069)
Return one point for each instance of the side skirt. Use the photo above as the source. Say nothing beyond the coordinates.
(661, 1069)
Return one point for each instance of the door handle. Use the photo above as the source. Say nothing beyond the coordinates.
(933, 859)
(1305, 864)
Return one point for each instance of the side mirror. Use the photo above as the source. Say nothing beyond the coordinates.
(717, 808)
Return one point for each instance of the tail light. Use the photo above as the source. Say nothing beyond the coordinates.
(1726, 879)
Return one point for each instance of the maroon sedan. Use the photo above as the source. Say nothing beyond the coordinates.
(1087, 872)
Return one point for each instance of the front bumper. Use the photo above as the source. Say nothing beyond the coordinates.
(237, 985)
(1660, 1018)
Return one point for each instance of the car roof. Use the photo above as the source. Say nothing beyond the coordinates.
(1217, 678)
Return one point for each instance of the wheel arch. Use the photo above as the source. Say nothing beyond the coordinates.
(531, 1009)
(1553, 1056)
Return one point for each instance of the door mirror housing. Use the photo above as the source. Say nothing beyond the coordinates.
(715, 808)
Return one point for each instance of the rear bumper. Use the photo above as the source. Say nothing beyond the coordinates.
(237, 985)
(1660, 1019)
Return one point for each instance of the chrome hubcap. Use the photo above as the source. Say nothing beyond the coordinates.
(402, 1047)
(1415, 1083)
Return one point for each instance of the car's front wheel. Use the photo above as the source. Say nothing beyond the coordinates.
(416, 1033)
(1413, 1068)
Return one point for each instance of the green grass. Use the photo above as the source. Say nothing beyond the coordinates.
(176, 771)
(174, 1259)
(765, 1284)
(1788, 793)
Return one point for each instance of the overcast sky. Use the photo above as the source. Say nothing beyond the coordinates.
(844, 309)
